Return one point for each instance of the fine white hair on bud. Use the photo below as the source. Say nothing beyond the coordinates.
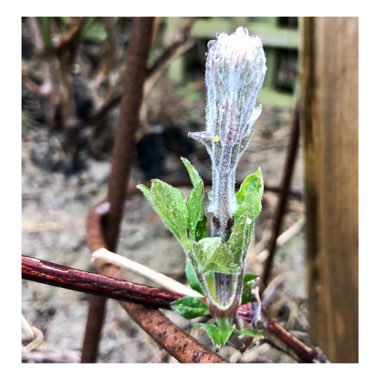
(235, 71)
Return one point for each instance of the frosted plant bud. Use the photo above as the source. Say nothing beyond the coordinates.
(235, 70)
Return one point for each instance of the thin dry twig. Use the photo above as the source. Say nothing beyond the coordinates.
(288, 234)
(144, 271)
(178, 47)
(30, 334)
(73, 30)
(285, 187)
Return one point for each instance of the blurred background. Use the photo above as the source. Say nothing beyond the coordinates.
(72, 80)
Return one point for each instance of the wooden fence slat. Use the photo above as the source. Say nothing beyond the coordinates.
(329, 121)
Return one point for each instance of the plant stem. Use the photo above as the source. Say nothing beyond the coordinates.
(223, 191)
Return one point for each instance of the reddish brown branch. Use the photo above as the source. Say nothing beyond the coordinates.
(277, 336)
(75, 279)
(73, 31)
(285, 189)
(174, 340)
(125, 143)
(95, 319)
(305, 353)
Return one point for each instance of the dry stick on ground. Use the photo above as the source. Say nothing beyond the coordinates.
(285, 186)
(124, 149)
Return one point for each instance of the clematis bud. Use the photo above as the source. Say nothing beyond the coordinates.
(235, 70)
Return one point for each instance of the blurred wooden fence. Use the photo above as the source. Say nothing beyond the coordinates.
(329, 117)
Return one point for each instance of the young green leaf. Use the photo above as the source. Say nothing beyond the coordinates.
(195, 211)
(192, 278)
(249, 282)
(219, 335)
(240, 238)
(244, 338)
(169, 203)
(190, 307)
(212, 255)
(249, 196)
(249, 332)
(201, 229)
(193, 173)
(195, 204)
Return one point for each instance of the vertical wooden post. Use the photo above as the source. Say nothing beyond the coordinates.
(329, 121)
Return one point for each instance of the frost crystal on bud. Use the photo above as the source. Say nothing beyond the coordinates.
(235, 70)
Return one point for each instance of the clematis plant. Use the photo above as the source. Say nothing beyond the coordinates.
(235, 70)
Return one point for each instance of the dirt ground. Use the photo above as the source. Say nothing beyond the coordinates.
(54, 216)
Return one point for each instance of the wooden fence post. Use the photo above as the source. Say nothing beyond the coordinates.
(329, 121)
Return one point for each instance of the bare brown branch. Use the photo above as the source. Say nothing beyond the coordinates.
(179, 46)
(70, 278)
(72, 32)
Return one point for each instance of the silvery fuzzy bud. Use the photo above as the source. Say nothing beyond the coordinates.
(235, 70)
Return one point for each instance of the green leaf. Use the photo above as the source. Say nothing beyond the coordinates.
(192, 278)
(212, 255)
(195, 211)
(193, 173)
(190, 307)
(249, 196)
(45, 23)
(245, 338)
(249, 282)
(249, 332)
(169, 203)
(219, 335)
(94, 30)
(201, 230)
(240, 238)
(197, 220)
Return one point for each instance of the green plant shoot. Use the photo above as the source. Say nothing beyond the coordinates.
(235, 70)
